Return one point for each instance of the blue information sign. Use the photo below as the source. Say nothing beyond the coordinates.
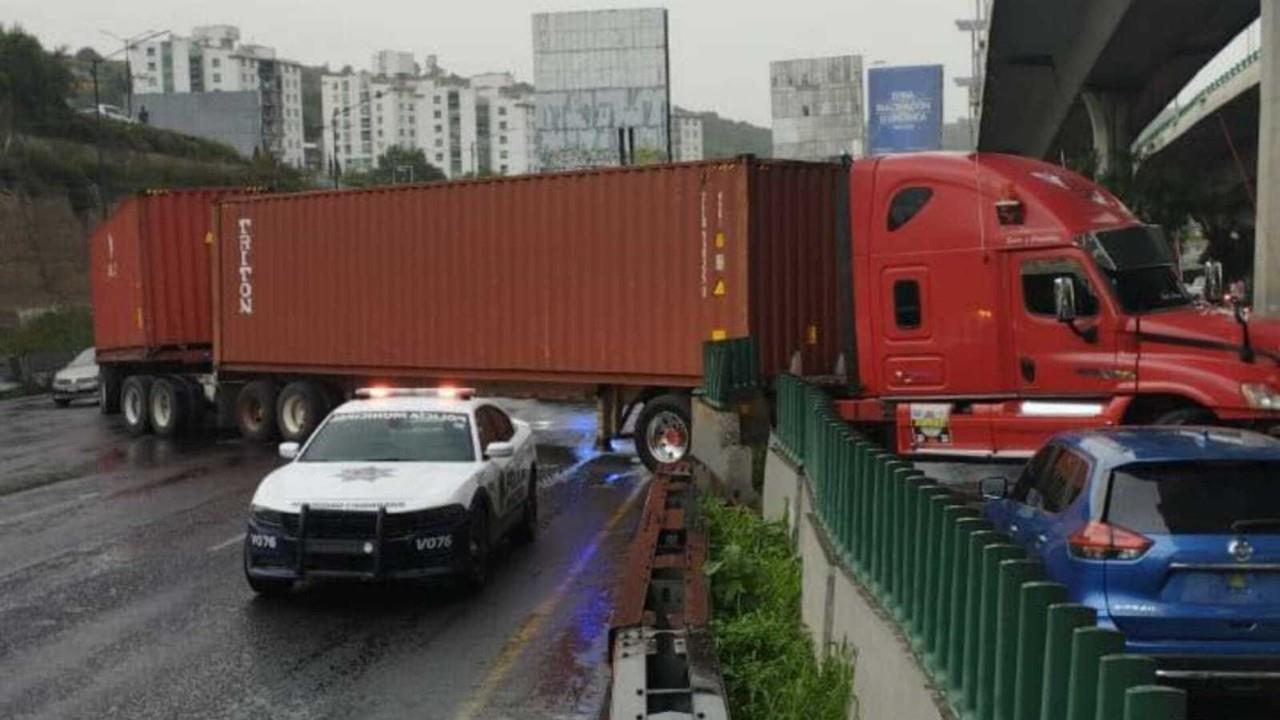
(906, 109)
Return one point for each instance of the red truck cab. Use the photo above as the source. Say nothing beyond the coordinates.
(1000, 299)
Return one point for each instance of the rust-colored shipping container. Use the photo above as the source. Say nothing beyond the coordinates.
(150, 272)
(610, 276)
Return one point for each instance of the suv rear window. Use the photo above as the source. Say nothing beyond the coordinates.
(1196, 498)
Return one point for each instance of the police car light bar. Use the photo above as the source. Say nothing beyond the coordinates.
(447, 393)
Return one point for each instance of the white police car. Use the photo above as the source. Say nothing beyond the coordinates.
(399, 483)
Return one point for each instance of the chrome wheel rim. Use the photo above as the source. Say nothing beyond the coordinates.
(162, 408)
(294, 414)
(667, 437)
(132, 405)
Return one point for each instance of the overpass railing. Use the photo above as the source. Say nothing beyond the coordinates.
(997, 639)
(1149, 138)
(729, 368)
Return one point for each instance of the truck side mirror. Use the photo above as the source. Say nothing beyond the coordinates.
(1064, 298)
(1213, 290)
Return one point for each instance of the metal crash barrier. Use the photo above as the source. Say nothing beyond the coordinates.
(997, 639)
(663, 660)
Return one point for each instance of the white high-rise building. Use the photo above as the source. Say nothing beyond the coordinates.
(686, 136)
(212, 60)
(481, 125)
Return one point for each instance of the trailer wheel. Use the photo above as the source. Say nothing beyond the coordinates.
(108, 391)
(300, 408)
(168, 407)
(135, 403)
(256, 410)
(663, 431)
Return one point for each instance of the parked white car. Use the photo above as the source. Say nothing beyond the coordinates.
(78, 380)
(397, 484)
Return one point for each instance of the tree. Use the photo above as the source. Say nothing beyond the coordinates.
(33, 84)
(397, 165)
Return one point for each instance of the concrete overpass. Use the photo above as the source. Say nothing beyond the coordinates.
(1077, 76)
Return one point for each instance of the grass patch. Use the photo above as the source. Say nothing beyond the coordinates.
(65, 330)
(766, 656)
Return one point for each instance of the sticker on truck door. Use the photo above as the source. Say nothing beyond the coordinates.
(931, 423)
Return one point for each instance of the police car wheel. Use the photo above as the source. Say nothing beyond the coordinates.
(266, 587)
(477, 564)
(527, 530)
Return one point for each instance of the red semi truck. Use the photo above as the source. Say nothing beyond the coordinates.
(973, 304)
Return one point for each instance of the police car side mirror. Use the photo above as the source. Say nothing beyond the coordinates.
(499, 450)
(289, 450)
(993, 488)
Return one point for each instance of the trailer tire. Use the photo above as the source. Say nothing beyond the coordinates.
(300, 408)
(108, 391)
(664, 431)
(135, 404)
(168, 406)
(256, 410)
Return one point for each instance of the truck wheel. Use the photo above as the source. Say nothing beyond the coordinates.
(108, 391)
(256, 410)
(663, 431)
(300, 408)
(1187, 416)
(135, 403)
(168, 407)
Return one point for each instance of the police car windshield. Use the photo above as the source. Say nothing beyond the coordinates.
(393, 437)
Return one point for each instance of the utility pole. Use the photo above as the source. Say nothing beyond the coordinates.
(976, 26)
(1266, 252)
(128, 44)
(97, 110)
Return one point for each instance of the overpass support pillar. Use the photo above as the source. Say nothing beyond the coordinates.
(1266, 255)
(1112, 134)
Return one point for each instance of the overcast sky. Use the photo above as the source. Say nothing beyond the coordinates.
(720, 49)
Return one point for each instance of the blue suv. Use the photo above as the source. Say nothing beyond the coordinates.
(1171, 533)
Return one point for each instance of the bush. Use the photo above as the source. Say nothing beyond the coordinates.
(767, 659)
(65, 330)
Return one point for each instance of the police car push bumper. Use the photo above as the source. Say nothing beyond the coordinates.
(275, 553)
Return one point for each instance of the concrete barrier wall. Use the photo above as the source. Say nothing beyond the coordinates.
(887, 681)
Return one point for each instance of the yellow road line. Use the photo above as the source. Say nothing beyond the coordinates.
(532, 624)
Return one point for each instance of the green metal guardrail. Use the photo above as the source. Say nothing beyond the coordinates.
(999, 641)
(730, 368)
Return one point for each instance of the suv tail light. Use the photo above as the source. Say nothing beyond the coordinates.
(1100, 541)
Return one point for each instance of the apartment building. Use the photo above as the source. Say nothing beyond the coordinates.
(211, 60)
(464, 126)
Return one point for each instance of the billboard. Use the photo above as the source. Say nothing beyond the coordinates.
(816, 107)
(597, 72)
(905, 109)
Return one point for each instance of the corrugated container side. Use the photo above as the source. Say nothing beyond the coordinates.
(794, 301)
(150, 271)
(116, 278)
(611, 276)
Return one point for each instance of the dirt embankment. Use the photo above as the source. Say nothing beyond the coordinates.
(43, 252)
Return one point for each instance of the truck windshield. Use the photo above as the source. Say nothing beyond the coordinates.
(393, 437)
(1139, 266)
(1190, 498)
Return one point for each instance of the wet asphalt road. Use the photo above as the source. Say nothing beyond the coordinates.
(121, 593)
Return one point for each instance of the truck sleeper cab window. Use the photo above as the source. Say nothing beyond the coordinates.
(906, 204)
(1037, 286)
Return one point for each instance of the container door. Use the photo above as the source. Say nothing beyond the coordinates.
(1212, 569)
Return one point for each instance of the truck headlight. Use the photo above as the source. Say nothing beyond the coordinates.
(1260, 396)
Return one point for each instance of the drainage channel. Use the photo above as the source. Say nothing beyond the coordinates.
(663, 660)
